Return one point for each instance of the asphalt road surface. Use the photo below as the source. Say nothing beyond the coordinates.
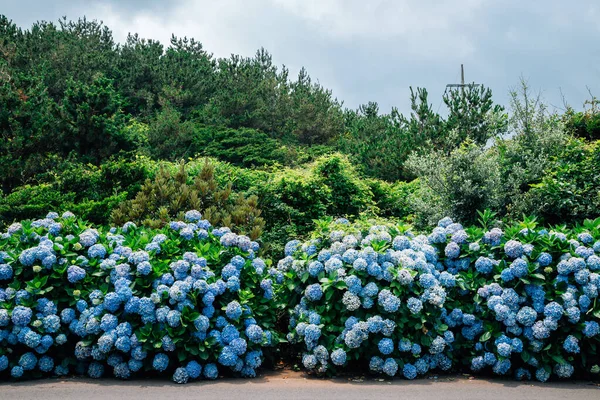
(290, 385)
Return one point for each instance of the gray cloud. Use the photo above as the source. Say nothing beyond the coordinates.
(373, 51)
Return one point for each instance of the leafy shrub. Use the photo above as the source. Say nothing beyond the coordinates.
(570, 188)
(169, 195)
(392, 199)
(34, 201)
(518, 301)
(92, 121)
(584, 124)
(25, 148)
(458, 184)
(91, 191)
(369, 137)
(187, 300)
(293, 198)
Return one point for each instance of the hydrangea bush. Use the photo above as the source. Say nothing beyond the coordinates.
(192, 301)
(188, 300)
(519, 301)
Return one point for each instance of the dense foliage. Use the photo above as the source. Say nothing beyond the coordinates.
(162, 199)
(86, 121)
(188, 300)
(520, 301)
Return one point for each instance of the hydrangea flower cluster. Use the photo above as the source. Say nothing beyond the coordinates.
(188, 300)
(515, 302)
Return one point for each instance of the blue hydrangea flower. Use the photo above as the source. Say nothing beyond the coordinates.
(75, 273)
(591, 329)
(233, 310)
(160, 362)
(571, 345)
(211, 371)
(452, 250)
(542, 375)
(409, 371)
(46, 364)
(513, 249)
(386, 346)
(338, 357)
(564, 370)
(314, 292)
(414, 305)
(437, 346)
(390, 367)
(193, 369)
(21, 316)
(387, 300)
(6, 272)
(526, 316)
(16, 371)
(553, 310)
(181, 375)
(501, 367)
(28, 361)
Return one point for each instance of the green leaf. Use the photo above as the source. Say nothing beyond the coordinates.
(328, 295)
(485, 337)
(559, 359)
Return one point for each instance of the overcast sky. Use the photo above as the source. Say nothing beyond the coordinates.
(374, 50)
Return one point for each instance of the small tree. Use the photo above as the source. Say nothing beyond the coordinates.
(473, 115)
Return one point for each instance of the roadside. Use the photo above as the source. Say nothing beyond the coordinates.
(291, 385)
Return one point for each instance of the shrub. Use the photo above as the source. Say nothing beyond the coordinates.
(185, 300)
(169, 137)
(293, 198)
(570, 187)
(392, 199)
(169, 195)
(91, 191)
(92, 122)
(33, 201)
(518, 301)
(458, 184)
(368, 138)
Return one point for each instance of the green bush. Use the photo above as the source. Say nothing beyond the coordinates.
(293, 198)
(169, 194)
(392, 200)
(169, 137)
(584, 124)
(378, 144)
(92, 191)
(457, 185)
(569, 190)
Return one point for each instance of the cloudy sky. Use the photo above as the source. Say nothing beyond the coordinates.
(374, 50)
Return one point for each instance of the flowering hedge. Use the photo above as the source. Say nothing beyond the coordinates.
(519, 301)
(192, 301)
(188, 300)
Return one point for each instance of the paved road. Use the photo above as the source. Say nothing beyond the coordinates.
(291, 385)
